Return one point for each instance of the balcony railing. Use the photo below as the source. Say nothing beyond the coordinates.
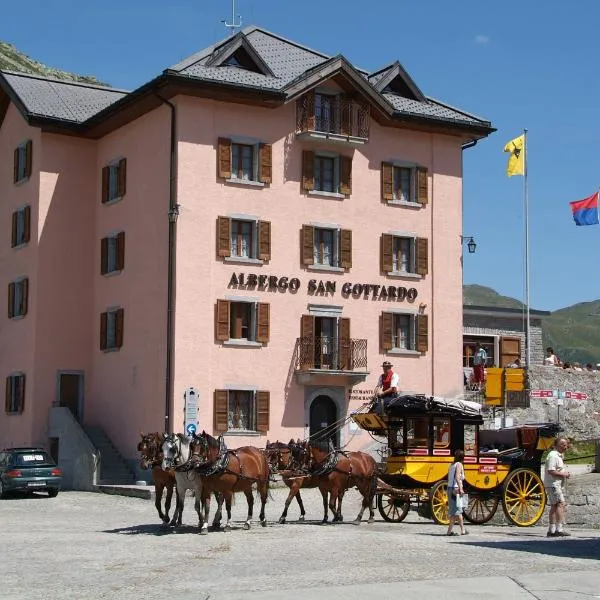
(326, 353)
(338, 118)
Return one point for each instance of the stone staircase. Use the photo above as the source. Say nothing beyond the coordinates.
(113, 469)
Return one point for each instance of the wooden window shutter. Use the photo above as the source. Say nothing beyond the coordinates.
(16, 166)
(345, 345)
(105, 183)
(422, 258)
(308, 248)
(119, 326)
(264, 240)
(387, 181)
(7, 397)
(422, 333)
(265, 163)
(25, 296)
(223, 237)
(15, 217)
(121, 251)
(308, 170)
(346, 175)
(104, 256)
(27, 224)
(222, 320)
(422, 186)
(263, 402)
(21, 397)
(387, 326)
(346, 248)
(224, 158)
(262, 330)
(122, 177)
(510, 350)
(220, 411)
(11, 300)
(103, 330)
(345, 107)
(387, 253)
(28, 158)
(307, 342)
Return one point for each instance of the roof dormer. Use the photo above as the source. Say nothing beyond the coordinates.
(239, 53)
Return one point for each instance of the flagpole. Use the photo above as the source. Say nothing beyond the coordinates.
(526, 211)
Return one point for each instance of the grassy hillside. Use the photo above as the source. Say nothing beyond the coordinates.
(479, 295)
(13, 60)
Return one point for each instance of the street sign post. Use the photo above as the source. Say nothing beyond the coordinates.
(190, 410)
(190, 429)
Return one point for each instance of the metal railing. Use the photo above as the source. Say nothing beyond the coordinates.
(330, 353)
(340, 116)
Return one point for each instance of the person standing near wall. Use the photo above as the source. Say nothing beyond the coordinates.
(555, 477)
(456, 479)
(479, 362)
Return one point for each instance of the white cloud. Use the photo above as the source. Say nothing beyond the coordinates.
(482, 39)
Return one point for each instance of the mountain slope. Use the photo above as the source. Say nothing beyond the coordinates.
(480, 295)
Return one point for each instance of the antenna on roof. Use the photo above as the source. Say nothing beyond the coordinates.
(233, 25)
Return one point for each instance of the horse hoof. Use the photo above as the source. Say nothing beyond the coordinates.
(356, 522)
(227, 528)
(324, 522)
(264, 523)
(301, 518)
(246, 526)
(164, 519)
(371, 520)
(282, 521)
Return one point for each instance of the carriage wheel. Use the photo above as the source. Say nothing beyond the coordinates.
(438, 497)
(393, 510)
(523, 498)
(481, 510)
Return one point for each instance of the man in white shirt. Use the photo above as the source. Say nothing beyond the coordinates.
(555, 477)
(387, 386)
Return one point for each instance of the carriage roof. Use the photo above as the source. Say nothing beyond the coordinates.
(419, 404)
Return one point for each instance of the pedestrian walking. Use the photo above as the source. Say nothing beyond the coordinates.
(555, 477)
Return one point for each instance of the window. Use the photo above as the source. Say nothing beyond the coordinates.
(244, 161)
(21, 226)
(404, 332)
(15, 393)
(326, 113)
(404, 184)
(22, 161)
(112, 253)
(325, 343)
(114, 181)
(18, 298)
(404, 254)
(489, 345)
(241, 410)
(243, 238)
(326, 173)
(328, 247)
(242, 321)
(111, 329)
(441, 432)
(416, 432)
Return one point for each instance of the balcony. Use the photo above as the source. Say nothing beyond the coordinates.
(337, 119)
(326, 356)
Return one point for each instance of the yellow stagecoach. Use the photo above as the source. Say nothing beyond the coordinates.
(423, 432)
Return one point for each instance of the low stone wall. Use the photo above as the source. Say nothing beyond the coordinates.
(583, 498)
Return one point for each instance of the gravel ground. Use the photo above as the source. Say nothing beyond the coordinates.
(103, 546)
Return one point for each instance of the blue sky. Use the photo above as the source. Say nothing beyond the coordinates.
(526, 64)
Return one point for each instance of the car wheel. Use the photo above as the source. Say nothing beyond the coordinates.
(52, 493)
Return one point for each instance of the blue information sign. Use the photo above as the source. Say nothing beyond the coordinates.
(190, 429)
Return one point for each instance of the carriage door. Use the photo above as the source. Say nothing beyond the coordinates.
(70, 393)
(323, 413)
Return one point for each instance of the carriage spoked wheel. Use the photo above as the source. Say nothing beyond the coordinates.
(393, 510)
(438, 498)
(481, 510)
(523, 497)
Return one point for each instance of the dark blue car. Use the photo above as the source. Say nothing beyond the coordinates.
(28, 470)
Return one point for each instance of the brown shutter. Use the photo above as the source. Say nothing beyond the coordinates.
(11, 300)
(422, 262)
(224, 158)
(263, 401)
(387, 181)
(307, 241)
(510, 350)
(422, 187)
(422, 333)
(307, 342)
(7, 397)
(121, 251)
(311, 121)
(15, 217)
(16, 166)
(345, 107)
(122, 178)
(220, 412)
(223, 237)
(105, 183)
(25, 296)
(28, 158)
(27, 224)
(21, 397)
(262, 333)
(103, 330)
(120, 324)
(387, 253)
(265, 163)
(222, 320)
(308, 170)
(346, 248)
(345, 345)
(104, 256)
(264, 240)
(346, 175)
(387, 326)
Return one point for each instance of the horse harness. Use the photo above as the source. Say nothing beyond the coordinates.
(330, 463)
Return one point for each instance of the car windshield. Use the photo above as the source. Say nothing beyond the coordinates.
(35, 457)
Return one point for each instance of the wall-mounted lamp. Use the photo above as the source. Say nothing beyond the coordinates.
(422, 308)
(471, 244)
(174, 213)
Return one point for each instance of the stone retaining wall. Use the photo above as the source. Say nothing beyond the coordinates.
(583, 498)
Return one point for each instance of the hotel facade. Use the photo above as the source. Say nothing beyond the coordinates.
(256, 229)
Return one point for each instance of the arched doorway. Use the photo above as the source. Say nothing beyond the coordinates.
(323, 414)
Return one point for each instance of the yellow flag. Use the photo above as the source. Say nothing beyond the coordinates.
(516, 161)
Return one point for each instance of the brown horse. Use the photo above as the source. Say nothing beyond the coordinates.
(229, 472)
(150, 448)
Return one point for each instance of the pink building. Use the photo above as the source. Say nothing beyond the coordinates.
(261, 223)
